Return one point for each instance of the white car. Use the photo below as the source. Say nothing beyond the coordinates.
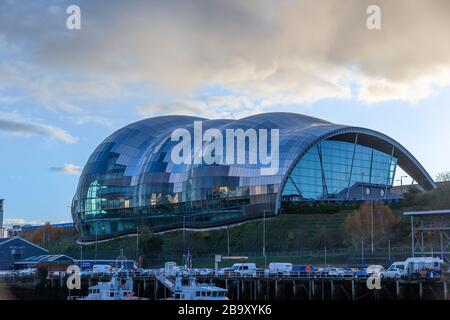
(335, 272)
(393, 273)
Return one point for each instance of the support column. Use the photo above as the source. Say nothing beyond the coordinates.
(332, 289)
(397, 289)
(353, 290)
(445, 290)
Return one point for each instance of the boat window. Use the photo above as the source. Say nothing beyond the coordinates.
(111, 294)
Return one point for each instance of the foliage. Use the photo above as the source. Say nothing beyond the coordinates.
(358, 225)
(150, 243)
(44, 235)
(443, 177)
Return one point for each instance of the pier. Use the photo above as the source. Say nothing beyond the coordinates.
(251, 288)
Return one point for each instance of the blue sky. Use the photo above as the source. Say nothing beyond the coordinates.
(63, 91)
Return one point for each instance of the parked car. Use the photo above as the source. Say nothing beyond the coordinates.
(335, 272)
(240, 269)
(280, 268)
(393, 272)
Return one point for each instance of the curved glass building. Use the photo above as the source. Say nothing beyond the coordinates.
(132, 180)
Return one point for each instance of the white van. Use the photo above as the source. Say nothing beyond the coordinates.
(243, 269)
(414, 265)
(280, 268)
(102, 268)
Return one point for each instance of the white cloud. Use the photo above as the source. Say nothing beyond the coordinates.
(70, 169)
(11, 124)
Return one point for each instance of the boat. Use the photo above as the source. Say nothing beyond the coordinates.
(196, 291)
(119, 288)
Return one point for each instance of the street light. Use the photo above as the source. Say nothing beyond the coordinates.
(363, 263)
(264, 238)
(401, 180)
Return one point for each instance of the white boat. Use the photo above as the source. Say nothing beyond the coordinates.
(116, 289)
(196, 291)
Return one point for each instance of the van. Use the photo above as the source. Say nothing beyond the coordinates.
(243, 269)
(427, 265)
(280, 268)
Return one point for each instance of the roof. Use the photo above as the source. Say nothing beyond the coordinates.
(46, 259)
(423, 213)
(141, 151)
(6, 240)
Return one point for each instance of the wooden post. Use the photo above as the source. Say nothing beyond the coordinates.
(323, 290)
(420, 290)
(353, 290)
(332, 289)
(293, 289)
(445, 290)
(397, 289)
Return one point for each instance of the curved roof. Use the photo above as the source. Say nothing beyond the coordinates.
(140, 152)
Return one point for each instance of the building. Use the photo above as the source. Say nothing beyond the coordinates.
(16, 249)
(49, 262)
(14, 231)
(132, 180)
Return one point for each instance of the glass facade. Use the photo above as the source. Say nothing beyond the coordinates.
(331, 168)
(130, 179)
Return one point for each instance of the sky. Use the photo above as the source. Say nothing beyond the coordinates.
(63, 91)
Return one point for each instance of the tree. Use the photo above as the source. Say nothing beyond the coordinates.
(150, 243)
(358, 225)
(443, 177)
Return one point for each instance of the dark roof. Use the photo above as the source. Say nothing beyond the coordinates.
(5, 240)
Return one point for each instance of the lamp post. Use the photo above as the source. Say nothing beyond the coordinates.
(228, 239)
(371, 229)
(401, 180)
(264, 239)
(363, 263)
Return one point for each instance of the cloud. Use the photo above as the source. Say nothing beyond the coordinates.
(70, 169)
(273, 52)
(18, 221)
(26, 128)
(214, 107)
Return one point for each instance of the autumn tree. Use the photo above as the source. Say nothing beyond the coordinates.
(358, 225)
(443, 177)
